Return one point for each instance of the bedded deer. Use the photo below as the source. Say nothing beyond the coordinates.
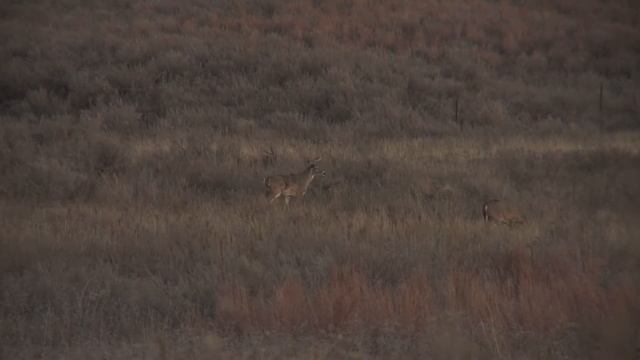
(501, 212)
(292, 185)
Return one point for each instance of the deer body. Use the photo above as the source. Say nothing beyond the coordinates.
(501, 212)
(292, 185)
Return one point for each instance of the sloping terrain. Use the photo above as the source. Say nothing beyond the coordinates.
(135, 137)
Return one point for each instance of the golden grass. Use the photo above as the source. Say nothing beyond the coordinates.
(132, 154)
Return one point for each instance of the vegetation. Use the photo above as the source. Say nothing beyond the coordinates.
(135, 137)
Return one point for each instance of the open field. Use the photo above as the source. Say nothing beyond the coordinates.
(134, 140)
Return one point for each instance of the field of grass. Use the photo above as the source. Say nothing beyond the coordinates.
(135, 137)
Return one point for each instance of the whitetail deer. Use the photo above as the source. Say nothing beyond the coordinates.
(292, 185)
(501, 212)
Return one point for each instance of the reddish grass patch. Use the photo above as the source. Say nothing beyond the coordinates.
(521, 293)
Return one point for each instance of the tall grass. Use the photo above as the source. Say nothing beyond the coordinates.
(134, 139)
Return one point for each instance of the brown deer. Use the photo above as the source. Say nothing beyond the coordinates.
(292, 185)
(501, 212)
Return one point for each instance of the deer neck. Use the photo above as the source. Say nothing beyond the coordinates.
(308, 176)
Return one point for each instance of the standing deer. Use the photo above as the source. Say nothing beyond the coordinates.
(292, 185)
(501, 212)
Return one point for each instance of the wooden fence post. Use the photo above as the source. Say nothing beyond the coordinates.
(600, 106)
(601, 93)
(459, 122)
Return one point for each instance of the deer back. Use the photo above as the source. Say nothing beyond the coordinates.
(502, 212)
(297, 184)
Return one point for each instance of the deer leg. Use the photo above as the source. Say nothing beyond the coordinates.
(275, 196)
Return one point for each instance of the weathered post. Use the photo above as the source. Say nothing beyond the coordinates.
(601, 94)
(455, 110)
(600, 105)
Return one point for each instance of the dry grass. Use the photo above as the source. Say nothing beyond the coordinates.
(132, 154)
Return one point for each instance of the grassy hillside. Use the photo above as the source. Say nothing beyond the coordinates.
(134, 139)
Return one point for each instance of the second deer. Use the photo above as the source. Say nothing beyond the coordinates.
(501, 212)
(292, 185)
